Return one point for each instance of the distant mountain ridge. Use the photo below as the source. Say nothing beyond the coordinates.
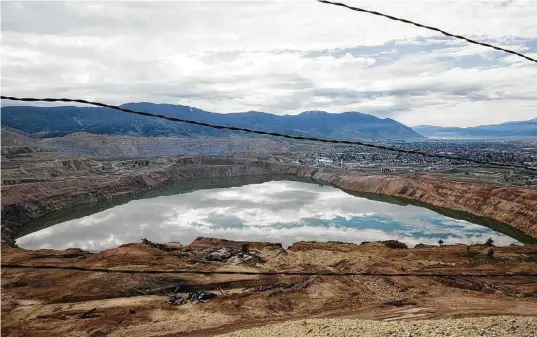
(509, 129)
(60, 121)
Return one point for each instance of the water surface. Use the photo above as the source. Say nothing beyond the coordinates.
(276, 211)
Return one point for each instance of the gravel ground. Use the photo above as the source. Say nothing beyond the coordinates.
(467, 327)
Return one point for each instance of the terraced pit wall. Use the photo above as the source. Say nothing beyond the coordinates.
(512, 209)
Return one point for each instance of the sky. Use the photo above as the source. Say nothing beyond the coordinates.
(281, 57)
(276, 211)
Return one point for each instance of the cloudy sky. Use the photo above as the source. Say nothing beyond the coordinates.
(280, 57)
(276, 211)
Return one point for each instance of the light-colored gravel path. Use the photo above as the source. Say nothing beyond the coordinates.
(501, 326)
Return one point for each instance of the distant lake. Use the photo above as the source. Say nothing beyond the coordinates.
(276, 211)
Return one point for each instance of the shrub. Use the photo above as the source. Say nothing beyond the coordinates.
(395, 244)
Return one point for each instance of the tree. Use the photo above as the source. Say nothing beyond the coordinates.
(440, 242)
(489, 242)
(490, 253)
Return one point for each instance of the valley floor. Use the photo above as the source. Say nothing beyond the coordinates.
(59, 302)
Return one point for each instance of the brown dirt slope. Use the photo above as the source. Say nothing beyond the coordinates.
(37, 302)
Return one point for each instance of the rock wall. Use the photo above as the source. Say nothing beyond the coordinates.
(514, 206)
(22, 203)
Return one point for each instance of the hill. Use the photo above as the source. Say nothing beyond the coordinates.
(60, 121)
(520, 129)
(11, 137)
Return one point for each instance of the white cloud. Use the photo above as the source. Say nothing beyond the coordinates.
(278, 56)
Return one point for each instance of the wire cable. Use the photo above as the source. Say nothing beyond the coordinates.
(259, 132)
(262, 273)
(428, 27)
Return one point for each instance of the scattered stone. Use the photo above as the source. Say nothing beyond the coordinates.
(233, 256)
(159, 246)
(176, 299)
(89, 314)
(264, 287)
(201, 296)
(193, 297)
(97, 333)
(281, 286)
(243, 259)
(220, 255)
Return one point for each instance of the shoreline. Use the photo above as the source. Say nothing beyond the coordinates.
(507, 208)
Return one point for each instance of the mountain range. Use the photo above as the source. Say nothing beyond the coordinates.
(48, 122)
(509, 129)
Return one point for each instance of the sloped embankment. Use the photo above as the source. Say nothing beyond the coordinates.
(516, 207)
(22, 203)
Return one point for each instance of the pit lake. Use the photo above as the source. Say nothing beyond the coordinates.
(276, 211)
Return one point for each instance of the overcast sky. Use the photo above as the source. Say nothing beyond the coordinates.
(279, 57)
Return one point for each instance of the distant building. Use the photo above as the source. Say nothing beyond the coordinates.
(107, 166)
(325, 160)
(386, 170)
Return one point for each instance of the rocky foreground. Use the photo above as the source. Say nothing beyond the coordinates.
(498, 326)
(35, 188)
(86, 302)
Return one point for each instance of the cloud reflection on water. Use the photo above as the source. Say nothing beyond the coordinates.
(278, 211)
